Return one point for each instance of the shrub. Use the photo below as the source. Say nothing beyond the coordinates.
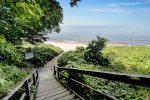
(66, 57)
(9, 75)
(93, 53)
(76, 56)
(80, 49)
(44, 53)
(8, 53)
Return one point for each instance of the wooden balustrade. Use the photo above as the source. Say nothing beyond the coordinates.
(136, 79)
(27, 82)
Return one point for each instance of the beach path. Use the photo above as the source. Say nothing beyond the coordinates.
(49, 88)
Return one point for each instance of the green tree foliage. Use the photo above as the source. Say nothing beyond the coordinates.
(29, 19)
(74, 2)
(94, 54)
(8, 53)
(10, 57)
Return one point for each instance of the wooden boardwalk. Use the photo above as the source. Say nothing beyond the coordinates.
(49, 88)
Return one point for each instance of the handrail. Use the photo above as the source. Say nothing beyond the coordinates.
(26, 85)
(137, 79)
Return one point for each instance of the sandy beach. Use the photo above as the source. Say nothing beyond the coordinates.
(66, 46)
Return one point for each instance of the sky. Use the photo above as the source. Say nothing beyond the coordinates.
(107, 12)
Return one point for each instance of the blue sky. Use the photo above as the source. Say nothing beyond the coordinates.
(107, 12)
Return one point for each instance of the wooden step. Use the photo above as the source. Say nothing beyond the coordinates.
(51, 94)
(58, 96)
(68, 97)
(48, 89)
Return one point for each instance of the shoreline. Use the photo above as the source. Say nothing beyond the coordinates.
(71, 45)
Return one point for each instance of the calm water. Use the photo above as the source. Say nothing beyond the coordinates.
(129, 35)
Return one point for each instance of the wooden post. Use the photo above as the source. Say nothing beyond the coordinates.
(37, 75)
(54, 71)
(27, 90)
(34, 80)
(69, 79)
(57, 73)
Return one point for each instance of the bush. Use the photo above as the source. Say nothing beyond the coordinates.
(9, 75)
(44, 53)
(93, 53)
(66, 57)
(10, 57)
(75, 56)
(8, 53)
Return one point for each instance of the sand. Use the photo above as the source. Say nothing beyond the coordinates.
(66, 46)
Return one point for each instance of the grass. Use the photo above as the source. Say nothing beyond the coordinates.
(129, 59)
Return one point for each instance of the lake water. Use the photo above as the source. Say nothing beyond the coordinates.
(126, 35)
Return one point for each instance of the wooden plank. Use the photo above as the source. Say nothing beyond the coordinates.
(51, 94)
(45, 88)
(48, 83)
(58, 96)
(27, 90)
(49, 89)
(68, 97)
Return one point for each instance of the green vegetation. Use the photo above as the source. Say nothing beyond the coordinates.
(126, 59)
(93, 53)
(130, 59)
(44, 53)
(10, 57)
(29, 20)
(12, 62)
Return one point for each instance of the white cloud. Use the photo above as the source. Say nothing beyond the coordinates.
(130, 3)
(125, 4)
(108, 10)
(119, 8)
(121, 11)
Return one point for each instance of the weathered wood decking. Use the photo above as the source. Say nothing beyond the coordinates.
(49, 88)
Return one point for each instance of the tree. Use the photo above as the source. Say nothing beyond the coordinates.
(94, 51)
(30, 20)
(74, 2)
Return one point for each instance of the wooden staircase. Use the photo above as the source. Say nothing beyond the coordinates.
(49, 88)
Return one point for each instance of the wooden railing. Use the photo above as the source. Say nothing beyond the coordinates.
(26, 83)
(136, 79)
